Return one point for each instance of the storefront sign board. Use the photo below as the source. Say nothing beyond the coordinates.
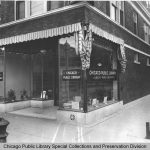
(102, 75)
(71, 75)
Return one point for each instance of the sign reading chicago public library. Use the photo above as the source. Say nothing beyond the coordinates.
(102, 74)
(1, 76)
(71, 74)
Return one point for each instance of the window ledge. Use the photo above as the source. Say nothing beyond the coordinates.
(137, 62)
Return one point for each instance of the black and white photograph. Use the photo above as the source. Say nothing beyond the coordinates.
(74, 72)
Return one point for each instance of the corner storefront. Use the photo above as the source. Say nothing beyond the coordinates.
(75, 64)
(90, 62)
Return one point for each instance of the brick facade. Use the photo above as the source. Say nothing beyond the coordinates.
(49, 21)
(135, 82)
(104, 6)
(112, 28)
(7, 12)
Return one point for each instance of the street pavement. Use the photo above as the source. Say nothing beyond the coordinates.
(128, 125)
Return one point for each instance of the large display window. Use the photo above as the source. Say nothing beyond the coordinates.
(70, 76)
(102, 86)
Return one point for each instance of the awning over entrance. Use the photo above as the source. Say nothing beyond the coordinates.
(59, 31)
(41, 34)
(70, 29)
(98, 31)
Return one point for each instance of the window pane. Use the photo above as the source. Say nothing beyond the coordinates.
(37, 7)
(120, 5)
(135, 22)
(146, 32)
(113, 12)
(48, 5)
(101, 89)
(20, 9)
(136, 57)
(135, 28)
(70, 80)
(54, 4)
(148, 61)
(121, 17)
(135, 17)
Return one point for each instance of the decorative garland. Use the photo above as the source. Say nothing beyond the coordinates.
(85, 47)
(122, 58)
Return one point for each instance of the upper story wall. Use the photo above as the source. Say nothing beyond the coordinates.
(8, 13)
(104, 6)
(8, 9)
(129, 9)
(129, 24)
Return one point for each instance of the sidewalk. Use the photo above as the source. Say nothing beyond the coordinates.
(128, 125)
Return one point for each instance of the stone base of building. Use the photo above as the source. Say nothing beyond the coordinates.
(89, 118)
(137, 101)
(8, 107)
(42, 104)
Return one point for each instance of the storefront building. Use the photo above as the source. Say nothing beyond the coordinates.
(89, 58)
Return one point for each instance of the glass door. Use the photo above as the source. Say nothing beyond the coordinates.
(43, 75)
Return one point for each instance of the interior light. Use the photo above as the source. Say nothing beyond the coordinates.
(43, 51)
(3, 48)
(99, 64)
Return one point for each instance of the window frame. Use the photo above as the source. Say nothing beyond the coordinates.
(148, 61)
(17, 10)
(44, 8)
(146, 33)
(115, 12)
(113, 4)
(119, 6)
(135, 23)
(70, 43)
(136, 58)
(121, 9)
(28, 9)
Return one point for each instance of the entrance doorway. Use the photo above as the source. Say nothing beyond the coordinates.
(45, 74)
(31, 68)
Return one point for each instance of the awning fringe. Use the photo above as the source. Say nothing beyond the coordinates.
(41, 34)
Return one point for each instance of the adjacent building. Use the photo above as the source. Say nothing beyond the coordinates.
(90, 57)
